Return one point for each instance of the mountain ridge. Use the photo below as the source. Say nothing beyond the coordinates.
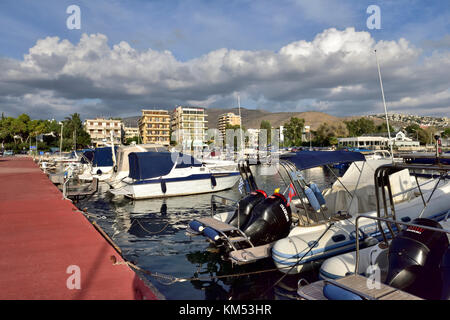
(251, 118)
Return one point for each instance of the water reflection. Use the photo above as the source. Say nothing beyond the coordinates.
(151, 233)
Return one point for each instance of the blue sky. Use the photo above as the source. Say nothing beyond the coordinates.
(192, 29)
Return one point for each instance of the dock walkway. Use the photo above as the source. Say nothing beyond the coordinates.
(46, 243)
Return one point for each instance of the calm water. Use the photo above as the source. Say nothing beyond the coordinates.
(151, 233)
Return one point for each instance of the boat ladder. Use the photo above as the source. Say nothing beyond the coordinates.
(228, 233)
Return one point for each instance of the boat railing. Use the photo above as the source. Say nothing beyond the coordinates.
(311, 217)
(383, 189)
(224, 201)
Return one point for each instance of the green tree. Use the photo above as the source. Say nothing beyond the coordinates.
(130, 140)
(327, 134)
(446, 133)
(360, 126)
(73, 127)
(293, 131)
(382, 128)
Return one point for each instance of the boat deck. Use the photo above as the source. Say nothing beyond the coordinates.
(358, 284)
(42, 236)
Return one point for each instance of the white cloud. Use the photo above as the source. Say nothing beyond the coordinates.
(336, 70)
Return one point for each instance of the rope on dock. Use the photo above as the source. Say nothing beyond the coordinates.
(165, 278)
(169, 279)
(148, 231)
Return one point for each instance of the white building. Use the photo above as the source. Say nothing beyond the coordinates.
(189, 126)
(100, 131)
(378, 142)
(401, 140)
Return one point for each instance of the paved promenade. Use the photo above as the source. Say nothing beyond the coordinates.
(49, 250)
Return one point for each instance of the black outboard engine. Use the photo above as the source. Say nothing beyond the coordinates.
(414, 258)
(270, 220)
(445, 273)
(245, 207)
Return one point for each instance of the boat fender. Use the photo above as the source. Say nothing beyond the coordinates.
(115, 168)
(213, 181)
(317, 193)
(163, 186)
(196, 226)
(211, 234)
(332, 292)
(312, 198)
(99, 172)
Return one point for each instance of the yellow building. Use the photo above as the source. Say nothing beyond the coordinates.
(227, 119)
(100, 130)
(154, 127)
(189, 126)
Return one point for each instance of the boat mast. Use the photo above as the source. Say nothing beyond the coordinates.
(61, 140)
(385, 109)
(240, 127)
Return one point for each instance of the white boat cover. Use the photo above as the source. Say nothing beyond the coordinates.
(338, 199)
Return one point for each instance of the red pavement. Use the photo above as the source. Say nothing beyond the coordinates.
(41, 235)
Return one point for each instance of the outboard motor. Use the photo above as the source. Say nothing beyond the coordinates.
(414, 258)
(445, 273)
(245, 207)
(270, 220)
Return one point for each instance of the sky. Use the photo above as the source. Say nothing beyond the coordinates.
(287, 55)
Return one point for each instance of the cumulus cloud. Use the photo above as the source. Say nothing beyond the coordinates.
(335, 72)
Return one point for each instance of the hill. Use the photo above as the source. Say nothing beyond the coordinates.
(251, 118)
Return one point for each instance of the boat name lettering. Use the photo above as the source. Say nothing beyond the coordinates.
(285, 212)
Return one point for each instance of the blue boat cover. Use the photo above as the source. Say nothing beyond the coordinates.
(310, 159)
(152, 164)
(103, 157)
(186, 161)
(89, 154)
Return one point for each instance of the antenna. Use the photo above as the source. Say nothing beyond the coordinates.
(385, 109)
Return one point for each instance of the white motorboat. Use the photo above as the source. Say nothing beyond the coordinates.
(98, 163)
(413, 264)
(167, 174)
(122, 168)
(369, 258)
(330, 230)
(318, 224)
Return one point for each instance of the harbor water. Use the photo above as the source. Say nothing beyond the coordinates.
(152, 234)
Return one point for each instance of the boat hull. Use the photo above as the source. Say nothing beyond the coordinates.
(293, 253)
(194, 184)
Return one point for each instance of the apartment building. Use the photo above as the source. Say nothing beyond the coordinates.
(189, 126)
(130, 132)
(154, 127)
(227, 119)
(100, 130)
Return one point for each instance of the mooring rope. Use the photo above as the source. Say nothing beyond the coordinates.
(172, 279)
(148, 231)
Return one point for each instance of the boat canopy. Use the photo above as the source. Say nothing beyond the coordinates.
(148, 165)
(310, 159)
(103, 157)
